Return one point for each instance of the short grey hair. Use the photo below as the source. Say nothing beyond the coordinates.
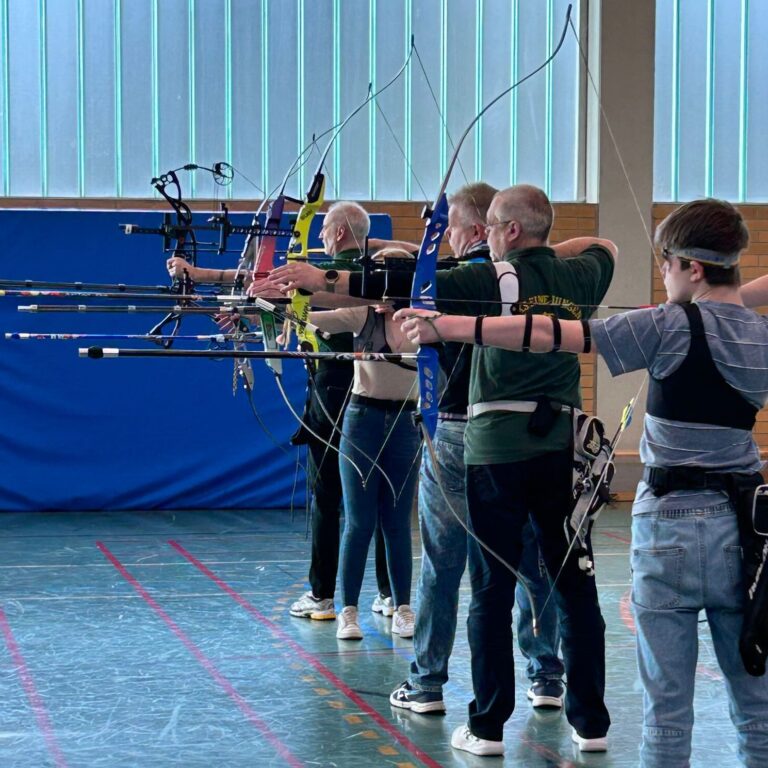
(472, 202)
(529, 206)
(352, 216)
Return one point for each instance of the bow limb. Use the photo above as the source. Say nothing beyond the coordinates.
(424, 293)
(185, 237)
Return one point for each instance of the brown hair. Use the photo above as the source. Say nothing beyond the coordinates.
(715, 225)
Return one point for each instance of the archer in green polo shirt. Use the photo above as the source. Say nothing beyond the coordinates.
(543, 281)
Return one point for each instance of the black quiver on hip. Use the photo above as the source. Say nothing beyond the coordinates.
(750, 497)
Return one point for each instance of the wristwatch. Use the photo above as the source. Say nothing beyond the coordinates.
(331, 278)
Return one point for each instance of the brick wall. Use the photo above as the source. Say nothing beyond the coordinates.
(753, 264)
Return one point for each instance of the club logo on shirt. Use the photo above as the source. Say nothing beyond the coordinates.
(548, 300)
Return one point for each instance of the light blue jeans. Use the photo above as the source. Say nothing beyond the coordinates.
(368, 428)
(685, 561)
(444, 557)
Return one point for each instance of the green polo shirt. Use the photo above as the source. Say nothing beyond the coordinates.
(568, 288)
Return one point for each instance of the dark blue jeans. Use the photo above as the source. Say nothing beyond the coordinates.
(391, 436)
(500, 498)
(443, 560)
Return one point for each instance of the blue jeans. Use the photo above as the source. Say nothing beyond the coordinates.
(444, 557)
(685, 561)
(369, 428)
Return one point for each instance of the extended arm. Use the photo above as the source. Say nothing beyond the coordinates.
(427, 327)
(755, 293)
(176, 267)
(573, 247)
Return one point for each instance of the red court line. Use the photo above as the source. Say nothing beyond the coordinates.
(615, 536)
(35, 700)
(625, 611)
(339, 684)
(205, 662)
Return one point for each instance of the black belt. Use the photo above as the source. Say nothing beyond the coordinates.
(663, 480)
(384, 405)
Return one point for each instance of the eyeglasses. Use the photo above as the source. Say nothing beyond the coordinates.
(489, 227)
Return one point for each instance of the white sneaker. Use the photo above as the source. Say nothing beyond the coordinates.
(403, 620)
(463, 738)
(590, 745)
(348, 627)
(383, 605)
(310, 607)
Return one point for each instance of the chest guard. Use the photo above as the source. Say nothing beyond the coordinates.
(696, 392)
(372, 336)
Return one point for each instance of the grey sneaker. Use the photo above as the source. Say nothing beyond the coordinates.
(310, 607)
(348, 627)
(465, 740)
(403, 621)
(407, 697)
(547, 693)
(383, 605)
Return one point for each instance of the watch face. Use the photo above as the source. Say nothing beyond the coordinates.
(331, 276)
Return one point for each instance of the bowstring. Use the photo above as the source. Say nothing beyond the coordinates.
(625, 422)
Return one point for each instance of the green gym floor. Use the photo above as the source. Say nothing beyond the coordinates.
(160, 639)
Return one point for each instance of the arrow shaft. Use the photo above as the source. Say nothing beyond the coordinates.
(97, 353)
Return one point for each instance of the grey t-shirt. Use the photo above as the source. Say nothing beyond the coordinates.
(658, 340)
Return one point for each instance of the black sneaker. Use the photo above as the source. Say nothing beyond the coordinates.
(547, 693)
(406, 697)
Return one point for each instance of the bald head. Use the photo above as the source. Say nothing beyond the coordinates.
(527, 205)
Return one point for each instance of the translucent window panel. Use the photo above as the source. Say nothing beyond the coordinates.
(496, 129)
(460, 86)
(136, 66)
(755, 151)
(282, 109)
(98, 96)
(209, 140)
(174, 86)
(389, 172)
(563, 101)
(98, 165)
(425, 130)
(348, 177)
(317, 82)
(693, 67)
(60, 145)
(25, 117)
(665, 103)
(710, 113)
(725, 101)
(5, 154)
(246, 124)
(532, 116)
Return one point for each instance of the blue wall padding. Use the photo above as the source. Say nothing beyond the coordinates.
(129, 433)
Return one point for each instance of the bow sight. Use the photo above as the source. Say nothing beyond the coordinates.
(181, 228)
